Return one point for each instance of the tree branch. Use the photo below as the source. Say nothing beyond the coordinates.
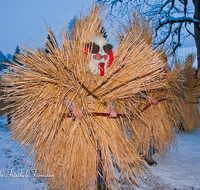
(164, 5)
(172, 20)
(185, 7)
(190, 33)
(166, 37)
(178, 32)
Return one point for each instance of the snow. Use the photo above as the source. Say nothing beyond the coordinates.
(178, 19)
(179, 169)
(14, 158)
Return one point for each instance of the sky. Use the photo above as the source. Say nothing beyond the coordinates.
(23, 21)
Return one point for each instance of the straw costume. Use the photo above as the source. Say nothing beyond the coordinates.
(66, 146)
(189, 91)
(155, 133)
(178, 106)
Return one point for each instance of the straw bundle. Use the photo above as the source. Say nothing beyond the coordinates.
(139, 25)
(190, 111)
(69, 148)
(154, 126)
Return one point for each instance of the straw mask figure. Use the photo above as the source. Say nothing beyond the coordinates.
(101, 59)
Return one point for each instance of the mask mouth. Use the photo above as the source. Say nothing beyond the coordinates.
(102, 68)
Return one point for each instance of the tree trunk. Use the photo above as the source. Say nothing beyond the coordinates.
(197, 29)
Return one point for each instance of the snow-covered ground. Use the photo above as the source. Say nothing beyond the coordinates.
(14, 158)
(178, 170)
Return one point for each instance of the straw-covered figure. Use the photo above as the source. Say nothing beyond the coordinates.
(69, 105)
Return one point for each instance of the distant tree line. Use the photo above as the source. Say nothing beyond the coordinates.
(8, 58)
(4, 58)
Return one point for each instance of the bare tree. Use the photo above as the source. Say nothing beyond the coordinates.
(197, 29)
(171, 18)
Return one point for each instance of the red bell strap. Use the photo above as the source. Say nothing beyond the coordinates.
(110, 58)
(86, 51)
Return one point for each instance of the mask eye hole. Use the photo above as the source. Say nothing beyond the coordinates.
(107, 48)
(93, 48)
(105, 57)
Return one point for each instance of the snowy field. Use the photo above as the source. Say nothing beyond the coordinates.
(14, 158)
(179, 170)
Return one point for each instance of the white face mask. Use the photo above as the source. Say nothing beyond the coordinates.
(100, 50)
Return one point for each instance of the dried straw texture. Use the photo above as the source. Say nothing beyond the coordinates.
(136, 23)
(156, 130)
(190, 117)
(154, 125)
(68, 148)
(139, 25)
(157, 133)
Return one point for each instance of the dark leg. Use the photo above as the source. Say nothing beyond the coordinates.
(148, 158)
(181, 127)
(101, 181)
(150, 161)
(9, 118)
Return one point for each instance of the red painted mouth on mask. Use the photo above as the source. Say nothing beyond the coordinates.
(102, 70)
